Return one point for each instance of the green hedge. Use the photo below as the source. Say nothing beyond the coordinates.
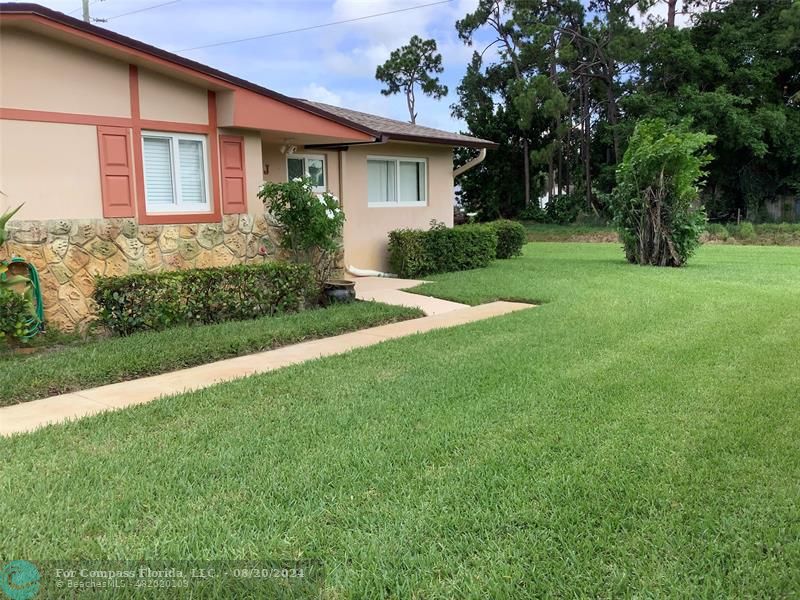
(413, 253)
(781, 234)
(199, 296)
(511, 237)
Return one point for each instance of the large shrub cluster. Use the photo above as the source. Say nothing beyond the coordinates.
(200, 296)
(413, 252)
(655, 201)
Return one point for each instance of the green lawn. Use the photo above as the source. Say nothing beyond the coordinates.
(635, 435)
(78, 366)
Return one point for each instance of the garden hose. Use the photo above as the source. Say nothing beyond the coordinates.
(35, 322)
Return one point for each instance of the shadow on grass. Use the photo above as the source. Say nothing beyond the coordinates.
(421, 290)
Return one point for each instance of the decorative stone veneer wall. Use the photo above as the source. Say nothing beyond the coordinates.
(69, 254)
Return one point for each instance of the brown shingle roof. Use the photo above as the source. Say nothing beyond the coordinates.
(400, 130)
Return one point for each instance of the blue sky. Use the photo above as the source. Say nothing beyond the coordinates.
(334, 64)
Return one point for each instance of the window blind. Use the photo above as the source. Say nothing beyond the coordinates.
(159, 186)
(190, 155)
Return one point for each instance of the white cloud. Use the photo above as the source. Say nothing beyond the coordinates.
(358, 61)
(392, 30)
(319, 93)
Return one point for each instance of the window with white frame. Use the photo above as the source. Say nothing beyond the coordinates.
(307, 165)
(397, 181)
(175, 172)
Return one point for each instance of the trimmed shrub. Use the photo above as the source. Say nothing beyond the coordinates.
(408, 256)
(199, 296)
(511, 237)
(413, 252)
(15, 315)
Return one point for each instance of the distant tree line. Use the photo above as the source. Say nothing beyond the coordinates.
(569, 80)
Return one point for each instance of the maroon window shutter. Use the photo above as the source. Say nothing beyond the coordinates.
(234, 181)
(116, 171)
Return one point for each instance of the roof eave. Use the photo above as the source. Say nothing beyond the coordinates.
(459, 142)
(36, 10)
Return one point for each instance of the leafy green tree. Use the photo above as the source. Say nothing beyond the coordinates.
(494, 188)
(654, 203)
(538, 100)
(563, 82)
(572, 78)
(412, 65)
(495, 15)
(543, 96)
(733, 72)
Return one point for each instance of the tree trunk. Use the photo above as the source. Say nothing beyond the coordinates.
(556, 175)
(526, 168)
(611, 72)
(559, 170)
(586, 140)
(569, 144)
(612, 112)
(512, 55)
(568, 179)
(410, 101)
(672, 6)
(654, 245)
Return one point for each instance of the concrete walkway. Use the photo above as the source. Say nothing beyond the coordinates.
(37, 413)
(390, 291)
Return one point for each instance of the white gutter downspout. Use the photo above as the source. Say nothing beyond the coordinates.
(473, 163)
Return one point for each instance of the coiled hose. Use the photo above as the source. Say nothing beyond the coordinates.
(33, 323)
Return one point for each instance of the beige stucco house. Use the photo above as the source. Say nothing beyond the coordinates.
(129, 158)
